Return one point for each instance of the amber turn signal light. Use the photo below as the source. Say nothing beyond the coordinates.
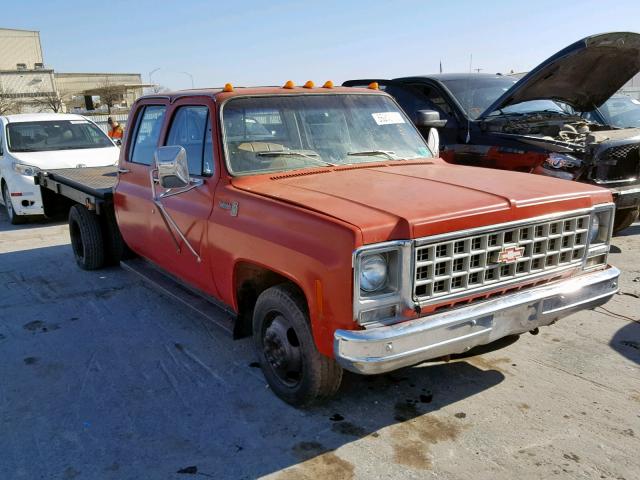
(328, 84)
(289, 84)
(227, 87)
(308, 84)
(374, 86)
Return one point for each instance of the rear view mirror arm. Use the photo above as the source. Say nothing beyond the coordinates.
(168, 221)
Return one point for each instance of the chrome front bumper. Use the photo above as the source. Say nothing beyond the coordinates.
(383, 349)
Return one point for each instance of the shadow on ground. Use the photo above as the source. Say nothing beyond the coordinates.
(626, 342)
(632, 230)
(31, 222)
(102, 377)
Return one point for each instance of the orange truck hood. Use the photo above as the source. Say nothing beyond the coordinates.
(401, 200)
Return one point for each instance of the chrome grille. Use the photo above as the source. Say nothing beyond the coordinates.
(476, 261)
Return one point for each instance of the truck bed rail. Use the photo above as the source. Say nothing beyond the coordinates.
(90, 186)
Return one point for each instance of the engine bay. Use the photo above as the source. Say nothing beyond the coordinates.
(572, 131)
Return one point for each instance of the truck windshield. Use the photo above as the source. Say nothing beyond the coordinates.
(621, 111)
(286, 132)
(55, 135)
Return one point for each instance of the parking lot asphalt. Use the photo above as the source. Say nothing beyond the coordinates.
(103, 377)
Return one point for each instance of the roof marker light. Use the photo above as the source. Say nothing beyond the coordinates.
(374, 86)
(227, 87)
(308, 84)
(289, 84)
(328, 84)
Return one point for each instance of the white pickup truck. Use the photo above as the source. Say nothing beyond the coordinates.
(41, 141)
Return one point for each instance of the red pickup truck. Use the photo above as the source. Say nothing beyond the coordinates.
(320, 221)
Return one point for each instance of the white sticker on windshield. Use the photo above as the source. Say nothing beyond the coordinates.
(387, 118)
(637, 102)
(75, 122)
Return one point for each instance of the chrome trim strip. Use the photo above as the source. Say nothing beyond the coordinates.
(383, 349)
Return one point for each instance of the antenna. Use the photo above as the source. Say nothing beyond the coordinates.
(468, 101)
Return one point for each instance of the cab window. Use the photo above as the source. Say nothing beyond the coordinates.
(147, 133)
(191, 129)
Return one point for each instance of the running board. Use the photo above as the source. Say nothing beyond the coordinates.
(175, 290)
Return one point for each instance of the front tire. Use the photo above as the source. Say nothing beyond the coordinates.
(14, 218)
(624, 219)
(290, 361)
(86, 238)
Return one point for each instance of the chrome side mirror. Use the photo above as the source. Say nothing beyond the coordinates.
(173, 169)
(433, 141)
(429, 118)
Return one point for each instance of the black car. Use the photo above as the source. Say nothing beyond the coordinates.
(537, 124)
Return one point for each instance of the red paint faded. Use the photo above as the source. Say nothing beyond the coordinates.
(305, 225)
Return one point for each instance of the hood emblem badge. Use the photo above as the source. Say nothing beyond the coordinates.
(510, 254)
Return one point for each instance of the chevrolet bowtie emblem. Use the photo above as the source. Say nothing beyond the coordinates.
(510, 254)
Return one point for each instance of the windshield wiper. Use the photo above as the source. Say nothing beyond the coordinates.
(374, 153)
(294, 153)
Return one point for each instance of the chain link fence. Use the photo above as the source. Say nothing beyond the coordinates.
(101, 120)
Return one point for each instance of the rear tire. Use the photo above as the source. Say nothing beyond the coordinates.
(14, 218)
(290, 361)
(86, 238)
(624, 219)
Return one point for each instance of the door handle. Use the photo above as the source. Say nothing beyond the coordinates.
(123, 170)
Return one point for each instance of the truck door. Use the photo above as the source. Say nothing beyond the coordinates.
(189, 126)
(134, 205)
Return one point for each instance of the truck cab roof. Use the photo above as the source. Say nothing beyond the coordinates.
(259, 91)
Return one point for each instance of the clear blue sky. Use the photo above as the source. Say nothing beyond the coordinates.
(252, 42)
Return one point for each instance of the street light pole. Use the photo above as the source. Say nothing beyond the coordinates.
(190, 76)
(151, 74)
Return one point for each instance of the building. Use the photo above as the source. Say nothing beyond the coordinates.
(79, 89)
(28, 85)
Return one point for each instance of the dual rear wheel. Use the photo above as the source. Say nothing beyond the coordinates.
(96, 240)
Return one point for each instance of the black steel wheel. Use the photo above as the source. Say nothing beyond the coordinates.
(86, 238)
(290, 361)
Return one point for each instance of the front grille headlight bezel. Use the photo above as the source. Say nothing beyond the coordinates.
(389, 297)
(392, 303)
(599, 244)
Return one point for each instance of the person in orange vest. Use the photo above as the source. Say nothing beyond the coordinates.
(115, 130)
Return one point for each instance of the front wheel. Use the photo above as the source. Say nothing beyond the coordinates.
(14, 218)
(290, 361)
(624, 219)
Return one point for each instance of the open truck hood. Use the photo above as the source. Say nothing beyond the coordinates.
(583, 75)
(400, 200)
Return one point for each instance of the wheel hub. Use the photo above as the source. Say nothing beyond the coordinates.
(282, 351)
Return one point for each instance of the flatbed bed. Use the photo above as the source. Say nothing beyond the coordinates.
(90, 186)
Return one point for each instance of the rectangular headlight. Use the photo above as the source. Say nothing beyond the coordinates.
(601, 227)
(380, 275)
(600, 231)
